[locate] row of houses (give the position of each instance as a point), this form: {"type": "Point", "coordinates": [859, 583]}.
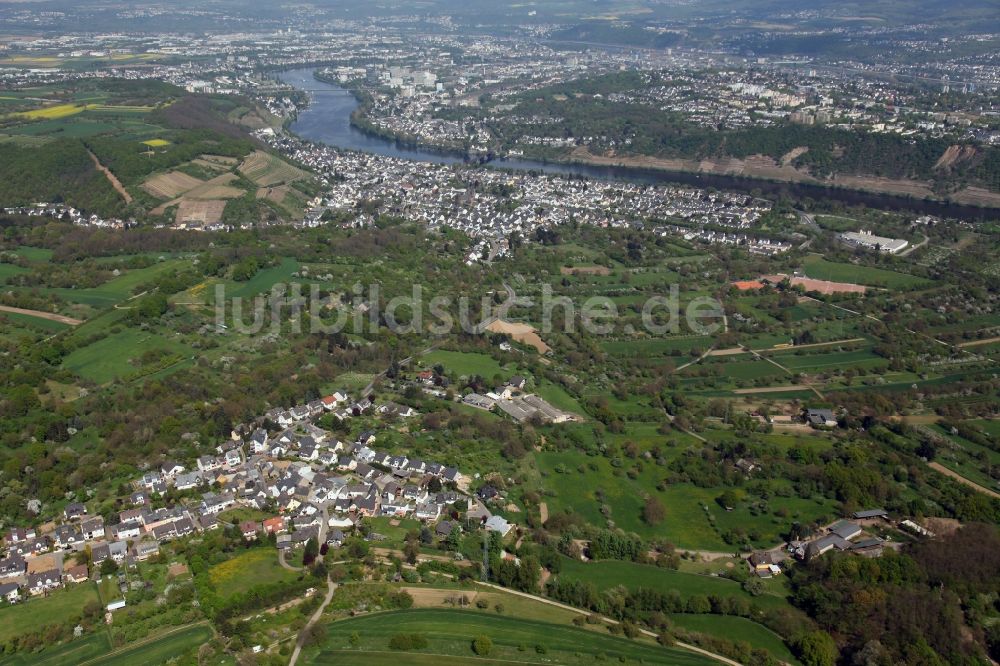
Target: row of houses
{"type": "Point", "coordinates": [309, 478]}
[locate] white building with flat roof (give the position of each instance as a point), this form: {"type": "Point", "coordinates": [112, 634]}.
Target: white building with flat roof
{"type": "Point", "coordinates": [870, 241]}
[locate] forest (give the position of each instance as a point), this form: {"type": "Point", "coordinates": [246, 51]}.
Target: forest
{"type": "Point", "coordinates": [639, 130]}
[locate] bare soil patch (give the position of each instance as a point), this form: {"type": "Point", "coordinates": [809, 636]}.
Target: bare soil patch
{"type": "Point", "coordinates": [115, 183]}
{"type": "Point", "coordinates": [194, 213]}
{"type": "Point", "coordinates": [793, 155]}
{"type": "Point", "coordinates": [822, 286]}
{"type": "Point", "coordinates": [585, 270]}
{"type": "Point", "coordinates": [976, 343]}
{"type": "Point", "coordinates": [275, 194]}
{"type": "Point", "coordinates": [954, 155]}
{"type": "Point", "coordinates": [523, 333]}
{"type": "Point", "coordinates": [51, 316]}
{"type": "Point", "coordinates": [177, 569]}
{"type": "Point", "coordinates": [170, 185]}
{"type": "Point", "coordinates": [977, 196]}
{"type": "Point", "coordinates": [424, 597]}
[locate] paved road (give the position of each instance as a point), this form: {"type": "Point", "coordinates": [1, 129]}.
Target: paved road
{"type": "Point", "coordinates": [281, 560]}
{"type": "Point", "coordinates": [915, 247]}
{"type": "Point", "coordinates": [501, 310]}
{"type": "Point", "coordinates": [331, 587]}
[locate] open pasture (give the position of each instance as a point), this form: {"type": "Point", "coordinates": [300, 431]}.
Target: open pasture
{"type": "Point", "coordinates": [59, 607]}
{"type": "Point", "coordinates": [819, 268]}
{"type": "Point", "coordinates": [257, 566]}
{"type": "Point", "coordinates": [450, 633]}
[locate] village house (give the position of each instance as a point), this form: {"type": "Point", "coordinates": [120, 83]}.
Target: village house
{"type": "Point", "coordinates": [249, 530]}
{"type": "Point", "coordinates": [209, 463]}
{"type": "Point", "coordinates": [821, 418]}
{"type": "Point", "coordinates": [765, 563]}
{"type": "Point", "coordinates": [74, 511]}
{"type": "Point", "coordinates": [127, 530]}
{"type": "Point", "coordinates": [12, 566]}
{"type": "Point", "coordinates": [145, 550]}
{"type": "Point", "coordinates": [188, 481]}
{"type": "Point", "coordinates": [10, 592]}
{"type": "Point", "coordinates": [43, 581]}
{"type": "Point", "coordinates": [171, 469]}
{"type": "Point", "coordinates": [498, 524]}
{"type": "Point", "coordinates": [67, 536]}
{"type": "Point", "coordinates": [20, 535]}
{"type": "Point", "coordinates": [92, 528]}
{"type": "Point", "coordinates": [275, 525]}
{"type": "Point", "coordinates": [77, 574]}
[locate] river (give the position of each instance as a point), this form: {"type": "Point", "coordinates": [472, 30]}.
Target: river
{"type": "Point", "coordinates": [327, 119]}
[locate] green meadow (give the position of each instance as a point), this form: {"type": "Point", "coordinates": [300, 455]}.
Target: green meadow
{"type": "Point", "coordinates": [117, 356]}
{"type": "Point", "coordinates": [450, 633]}
{"type": "Point", "coordinates": [738, 629]}
{"type": "Point", "coordinates": [583, 484]}
{"type": "Point", "coordinates": [60, 607]}
{"type": "Point", "coordinates": [819, 268]}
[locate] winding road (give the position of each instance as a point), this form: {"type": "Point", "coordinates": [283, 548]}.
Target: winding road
{"type": "Point", "coordinates": [331, 587]}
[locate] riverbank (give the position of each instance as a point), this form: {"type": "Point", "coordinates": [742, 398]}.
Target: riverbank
{"type": "Point", "coordinates": [328, 119]}
{"type": "Point", "coordinates": [765, 168]}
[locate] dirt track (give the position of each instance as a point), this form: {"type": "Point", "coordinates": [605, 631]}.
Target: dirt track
{"type": "Point", "coordinates": [115, 183]}
{"type": "Point", "coordinates": [51, 316]}
{"type": "Point", "coordinates": [773, 389]}
{"type": "Point", "coordinates": [938, 467]}
{"type": "Point", "coordinates": [976, 343]}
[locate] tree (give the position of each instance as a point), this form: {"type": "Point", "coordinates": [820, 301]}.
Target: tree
{"type": "Point", "coordinates": [754, 585]}
{"type": "Point", "coordinates": [729, 499]}
{"type": "Point", "coordinates": [816, 648]}
{"type": "Point", "coordinates": [310, 553]}
{"type": "Point", "coordinates": [482, 645]}
{"type": "Point", "coordinates": [653, 511]}
{"type": "Point", "coordinates": [108, 567]}
{"type": "Point", "coordinates": [411, 549]}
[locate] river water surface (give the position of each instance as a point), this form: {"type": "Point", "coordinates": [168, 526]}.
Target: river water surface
{"type": "Point", "coordinates": [327, 119]}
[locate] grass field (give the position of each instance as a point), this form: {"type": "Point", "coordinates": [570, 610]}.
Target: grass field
{"type": "Point", "coordinates": [450, 632]}
{"type": "Point", "coordinates": [68, 654]}
{"type": "Point", "coordinates": [257, 566]}
{"type": "Point", "coordinates": [576, 480]}
{"type": "Point", "coordinates": [736, 629]}
{"type": "Point", "coordinates": [819, 268]}
{"type": "Point", "coordinates": [263, 280]}
{"type": "Point", "coordinates": [465, 363]}
{"type": "Point", "coordinates": [35, 254]}
{"type": "Point", "coordinates": [59, 607]}
{"type": "Point", "coordinates": [157, 651]}
{"type": "Point", "coordinates": [120, 288]}
{"type": "Point", "coordinates": [34, 322]}
{"type": "Point", "coordinates": [156, 143]}
{"type": "Point", "coordinates": [606, 574]}
{"type": "Point", "coordinates": [109, 358]}
{"type": "Point", "coordinates": [9, 271]}
{"type": "Point", "coordinates": [656, 346]}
